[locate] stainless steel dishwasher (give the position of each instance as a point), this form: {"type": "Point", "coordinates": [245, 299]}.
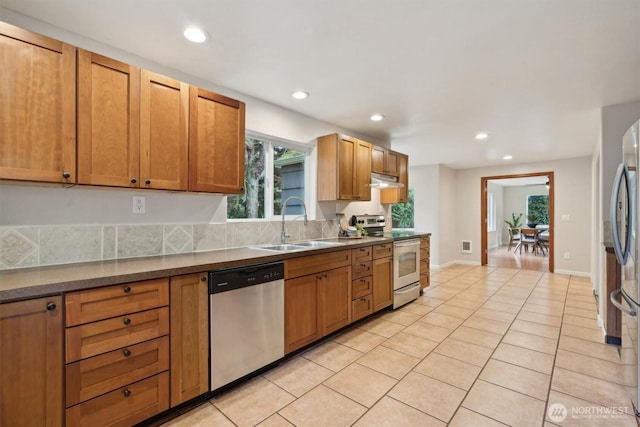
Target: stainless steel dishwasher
{"type": "Point", "coordinates": [247, 320]}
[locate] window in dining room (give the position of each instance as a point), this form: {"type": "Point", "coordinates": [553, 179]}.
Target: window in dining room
{"type": "Point", "coordinates": [491, 212]}
{"type": "Point", "coordinates": [538, 209]}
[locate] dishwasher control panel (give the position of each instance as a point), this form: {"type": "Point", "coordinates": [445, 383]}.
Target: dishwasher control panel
{"type": "Point", "coordinates": [240, 277]}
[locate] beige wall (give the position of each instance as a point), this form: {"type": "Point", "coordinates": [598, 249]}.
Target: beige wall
{"type": "Point", "coordinates": [456, 215]}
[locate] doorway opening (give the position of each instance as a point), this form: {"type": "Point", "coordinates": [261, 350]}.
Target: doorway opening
{"type": "Point", "coordinates": [529, 197]}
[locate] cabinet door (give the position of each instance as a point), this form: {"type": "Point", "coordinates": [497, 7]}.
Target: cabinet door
{"type": "Point", "coordinates": [346, 173]}
{"type": "Point", "coordinates": [164, 132]}
{"type": "Point", "coordinates": [189, 337]}
{"type": "Point", "coordinates": [335, 291]}
{"type": "Point", "coordinates": [391, 163]}
{"type": "Point", "coordinates": [301, 315]}
{"type": "Point", "coordinates": [403, 173]}
{"type": "Point", "coordinates": [382, 283]}
{"type": "Point", "coordinates": [108, 121]}
{"type": "Point", "coordinates": [377, 159]}
{"type": "Point", "coordinates": [31, 362]}
{"type": "Point", "coordinates": [38, 107]}
{"type": "Point", "coordinates": [216, 143]}
{"type": "Point", "coordinates": [362, 171]}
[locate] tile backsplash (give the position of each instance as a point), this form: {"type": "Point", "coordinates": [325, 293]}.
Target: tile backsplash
{"type": "Point", "coordinates": [32, 246]}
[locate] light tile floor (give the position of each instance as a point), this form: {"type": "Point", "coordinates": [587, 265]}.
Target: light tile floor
{"type": "Point", "coordinates": [484, 346]}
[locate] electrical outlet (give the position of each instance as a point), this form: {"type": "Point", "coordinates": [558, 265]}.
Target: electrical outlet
{"type": "Point", "coordinates": [565, 217]}
{"type": "Point", "coordinates": [567, 255]}
{"type": "Point", "coordinates": [138, 204]}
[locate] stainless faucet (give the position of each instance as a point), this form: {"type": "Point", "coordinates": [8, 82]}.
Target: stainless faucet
{"type": "Point", "coordinates": [283, 234]}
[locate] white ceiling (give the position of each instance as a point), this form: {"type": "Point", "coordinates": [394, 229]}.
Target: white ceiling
{"type": "Point", "coordinates": [531, 73]}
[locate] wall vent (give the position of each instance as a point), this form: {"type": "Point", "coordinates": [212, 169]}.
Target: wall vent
{"type": "Point", "coordinates": [466, 246]}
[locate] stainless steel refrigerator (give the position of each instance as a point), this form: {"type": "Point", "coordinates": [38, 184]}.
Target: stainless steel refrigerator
{"type": "Point", "coordinates": [624, 224]}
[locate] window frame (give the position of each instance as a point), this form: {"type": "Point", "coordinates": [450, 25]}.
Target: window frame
{"type": "Point", "coordinates": [309, 181]}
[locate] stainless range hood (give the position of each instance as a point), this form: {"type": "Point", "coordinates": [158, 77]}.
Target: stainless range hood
{"type": "Point", "coordinates": [381, 181]}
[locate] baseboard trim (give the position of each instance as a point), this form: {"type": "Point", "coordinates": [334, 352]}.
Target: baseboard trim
{"type": "Point", "coordinates": [573, 273]}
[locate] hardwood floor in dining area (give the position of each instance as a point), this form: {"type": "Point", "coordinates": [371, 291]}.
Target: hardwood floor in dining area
{"type": "Point", "coordinates": [504, 258]}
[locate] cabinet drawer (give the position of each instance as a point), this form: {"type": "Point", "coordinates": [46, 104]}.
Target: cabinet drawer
{"type": "Point", "coordinates": [103, 303]}
{"type": "Point", "coordinates": [92, 377]}
{"type": "Point", "coordinates": [312, 264]}
{"type": "Point", "coordinates": [125, 406]}
{"type": "Point", "coordinates": [361, 307]}
{"type": "Point", "coordinates": [382, 250]}
{"type": "Point", "coordinates": [361, 287]}
{"type": "Point", "coordinates": [361, 254]}
{"type": "Point", "coordinates": [107, 335]}
{"type": "Point", "coordinates": [361, 269]}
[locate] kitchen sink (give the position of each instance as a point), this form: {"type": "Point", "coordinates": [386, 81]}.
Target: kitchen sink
{"type": "Point", "coordinates": [281, 247]}
{"type": "Point", "coordinates": [318, 243]}
{"type": "Point", "coordinates": [298, 246]}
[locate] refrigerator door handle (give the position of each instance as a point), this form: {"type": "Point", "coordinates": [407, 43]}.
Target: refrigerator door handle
{"type": "Point", "coordinates": [631, 310]}
{"type": "Point", "coordinates": [621, 255]}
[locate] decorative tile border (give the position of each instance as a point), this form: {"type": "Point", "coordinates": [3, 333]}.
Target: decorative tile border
{"type": "Point", "coordinates": [22, 247]}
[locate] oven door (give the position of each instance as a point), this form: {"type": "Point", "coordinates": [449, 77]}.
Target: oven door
{"type": "Point", "coordinates": [406, 263]}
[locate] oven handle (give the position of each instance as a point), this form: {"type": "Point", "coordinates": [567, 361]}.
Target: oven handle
{"type": "Point", "coordinates": [630, 311]}
{"type": "Point", "coordinates": [406, 243]}
{"type": "Point", "coordinates": [409, 288]}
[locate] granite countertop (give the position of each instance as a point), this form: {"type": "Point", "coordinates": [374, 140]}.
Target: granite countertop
{"type": "Point", "coordinates": [43, 281]}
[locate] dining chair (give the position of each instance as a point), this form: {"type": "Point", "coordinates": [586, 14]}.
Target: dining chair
{"type": "Point", "coordinates": [529, 236]}
{"type": "Point", "coordinates": [514, 237]}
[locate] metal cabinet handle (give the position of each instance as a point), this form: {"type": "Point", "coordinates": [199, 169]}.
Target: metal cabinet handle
{"type": "Point", "coordinates": [148, 182]}
{"type": "Point", "coordinates": [133, 180]}
{"type": "Point", "coordinates": [127, 353]}
{"type": "Point", "coordinates": [127, 393]}
{"type": "Point", "coordinates": [612, 297]}
{"type": "Point", "coordinates": [127, 289]}
{"type": "Point", "coordinates": [51, 306]}
{"type": "Point", "coordinates": [126, 321]}
{"type": "Point", "coordinates": [66, 175]}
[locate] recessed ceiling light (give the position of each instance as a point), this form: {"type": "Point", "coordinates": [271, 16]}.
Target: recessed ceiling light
{"type": "Point", "coordinates": [195, 34]}
{"type": "Point", "coordinates": [299, 94]}
{"type": "Point", "coordinates": [507, 157]}
{"type": "Point", "coordinates": [377, 117]}
{"type": "Point", "coordinates": [482, 135]}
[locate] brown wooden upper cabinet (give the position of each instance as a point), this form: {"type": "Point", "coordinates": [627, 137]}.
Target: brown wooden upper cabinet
{"type": "Point", "coordinates": [132, 126]}
{"type": "Point", "coordinates": [398, 195]}
{"type": "Point", "coordinates": [164, 132]}
{"type": "Point", "coordinates": [216, 143]}
{"type": "Point", "coordinates": [344, 168]}
{"type": "Point", "coordinates": [108, 121]}
{"type": "Point", "coordinates": [38, 107]}
{"type": "Point", "coordinates": [384, 161]}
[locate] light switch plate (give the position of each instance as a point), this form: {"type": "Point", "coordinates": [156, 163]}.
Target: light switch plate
{"type": "Point", "coordinates": [565, 217]}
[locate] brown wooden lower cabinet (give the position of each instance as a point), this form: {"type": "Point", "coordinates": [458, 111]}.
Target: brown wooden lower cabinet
{"type": "Point", "coordinates": [124, 406]}
{"type": "Point", "coordinates": [301, 313]}
{"type": "Point", "coordinates": [89, 378]}
{"type": "Point", "coordinates": [189, 337]}
{"type": "Point", "coordinates": [335, 300]}
{"type": "Point", "coordinates": [382, 283]}
{"type": "Point", "coordinates": [361, 307]}
{"type": "Point", "coordinates": [32, 362]}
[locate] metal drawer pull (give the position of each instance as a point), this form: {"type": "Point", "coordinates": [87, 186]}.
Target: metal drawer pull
{"type": "Point", "coordinates": [127, 393]}
{"type": "Point", "coordinates": [126, 321]}
{"type": "Point", "coordinates": [127, 353]}
{"type": "Point", "coordinates": [127, 289]}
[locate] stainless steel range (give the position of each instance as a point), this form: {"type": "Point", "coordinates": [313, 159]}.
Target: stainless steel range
{"type": "Point", "coordinates": [374, 224]}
